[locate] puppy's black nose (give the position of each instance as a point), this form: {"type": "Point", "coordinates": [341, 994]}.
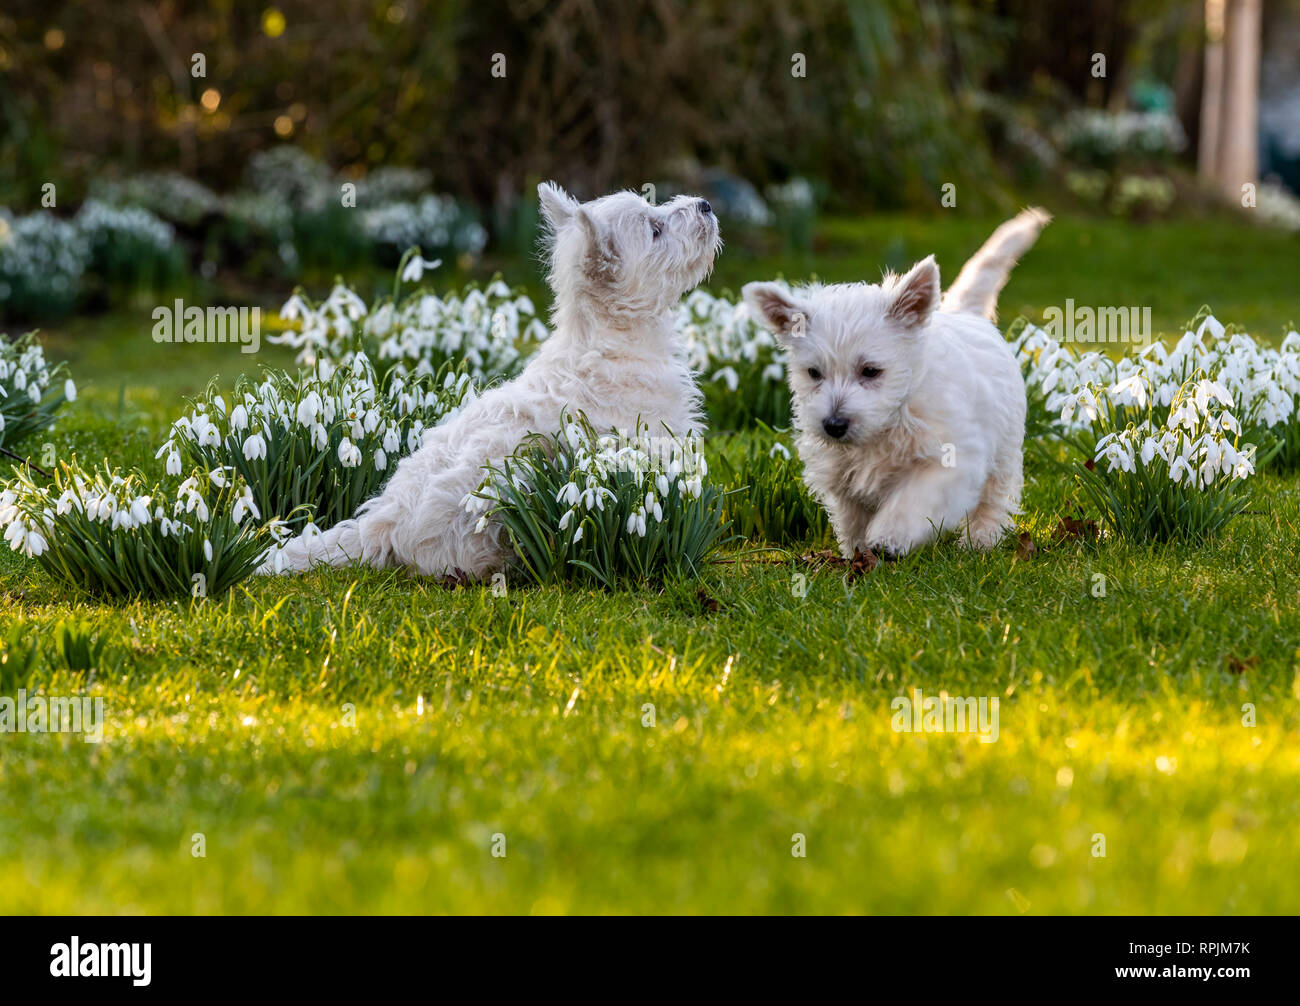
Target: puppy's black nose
{"type": "Point", "coordinates": [835, 427]}
{"type": "Point", "coordinates": [705, 208]}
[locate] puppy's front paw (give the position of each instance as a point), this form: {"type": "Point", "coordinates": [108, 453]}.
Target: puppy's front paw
{"type": "Point", "coordinates": [985, 533]}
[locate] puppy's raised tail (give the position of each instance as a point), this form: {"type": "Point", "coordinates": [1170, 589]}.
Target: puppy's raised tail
{"type": "Point", "coordinates": [337, 546]}
{"type": "Point", "coordinates": [976, 288]}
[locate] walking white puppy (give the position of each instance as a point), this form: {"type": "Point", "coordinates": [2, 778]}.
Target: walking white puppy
{"type": "Point", "coordinates": [909, 415]}
{"type": "Point", "coordinates": [619, 266]}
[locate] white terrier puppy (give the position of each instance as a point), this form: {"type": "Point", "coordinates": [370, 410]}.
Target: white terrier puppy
{"type": "Point", "coordinates": [619, 266]}
{"type": "Point", "coordinates": [909, 415]}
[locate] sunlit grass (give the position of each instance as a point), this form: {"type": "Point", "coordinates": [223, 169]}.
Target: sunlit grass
{"type": "Point", "coordinates": [355, 741]}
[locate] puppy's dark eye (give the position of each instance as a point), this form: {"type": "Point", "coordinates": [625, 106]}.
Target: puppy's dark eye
{"type": "Point", "coordinates": [870, 373]}
{"type": "Point", "coordinates": [656, 228]}
{"type": "Point", "coordinates": [814, 373]}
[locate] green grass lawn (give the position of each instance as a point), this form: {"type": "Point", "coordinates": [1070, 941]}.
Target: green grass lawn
{"type": "Point", "coordinates": [361, 741]}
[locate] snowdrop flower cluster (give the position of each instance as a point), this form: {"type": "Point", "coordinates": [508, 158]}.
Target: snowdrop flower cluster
{"type": "Point", "coordinates": [433, 222]}
{"type": "Point", "coordinates": [329, 438]}
{"type": "Point", "coordinates": [42, 259]}
{"type": "Point", "coordinates": [658, 467]}
{"type": "Point", "coordinates": [1278, 206]}
{"type": "Point", "coordinates": [167, 194]}
{"type": "Point", "coordinates": [742, 369]}
{"type": "Point", "coordinates": [1067, 391]}
{"type": "Point", "coordinates": [1161, 429]}
{"type": "Point", "coordinates": [722, 341]}
{"type": "Point", "coordinates": [265, 215]}
{"type": "Point", "coordinates": [1197, 445]}
{"type": "Point", "coordinates": [25, 379]}
{"type": "Point", "coordinates": [490, 331]}
{"type": "Point", "coordinates": [1099, 136]}
{"type": "Point", "coordinates": [631, 503]}
{"type": "Point", "coordinates": [291, 176]}
{"type": "Point", "coordinates": [115, 534]}
{"type": "Point", "coordinates": [1177, 472]}
{"type": "Point", "coordinates": [386, 185]}
{"type": "Point", "coordinates": [102, 223]}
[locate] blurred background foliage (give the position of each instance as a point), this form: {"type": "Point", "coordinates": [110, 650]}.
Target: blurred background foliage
{"type": "Point", "coordinates": [876, 102]}
{"type": "Point", "coordinates": [234, 147]}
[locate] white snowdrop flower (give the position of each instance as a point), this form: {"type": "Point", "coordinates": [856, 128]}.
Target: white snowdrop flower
{"type": "Point", "coordinates": [779, 448]}
{"type": "Point", "coordinates": [16, 535]}
{"type": "Point", "coordinates": [69, 390]}
{"type": "Point", "coordinates": [293, 308]}
{"type": "Point", "coordinates": [381, 460]}
{"type": "Point", "coordinates": [310, 531]}
{"type": "Point", "coordinates": [481, 525]}
{"type": "Point", "coordinates": [658, 512]}
{"type": "Point", "coordinates": [349, 454]}
{"type": "Point", "coordinates": [631, 524]}
{"type": "Point", "coordinates": [244, 506]}
{"type": "Point", "coordinates": [661, 483]}
{"type": "Point", "coordinates": [34, 544]}
{"type": "Point", "coordinates": [140, 509]}
{"type": "Point", "coordinates": [308, 409]}
{"type": "Point", "coordinates": [319, 437]}
{"type": "Point", "coordinates": [255, 447]}
{"type": "Point", "coordinates": [415, 268]}
{"type": "Point", "coordinates": [218, 478]}
{"type": "Point", "coordinates": [577, 535]}
{"type": "Point", "coordinates": [239, 418]}
{"type": "Point", "coordinates": [568, 494]}
{"type": "Point", "coordinates": [392, 440]}
{"type": "Point", "coordinates": [729, 376]}
{"type": "Point", "coordinates": [565, 518]}
{"type": "Point", "coordinates": [1132, 389]}
{"type": "Point", "coordinates": [207, 549]}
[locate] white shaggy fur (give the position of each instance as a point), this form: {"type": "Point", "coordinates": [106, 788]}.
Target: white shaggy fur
{"type": "Point", "coordinates": [619, 266]}
{"type": "Point", "coordinates": [909, 419]}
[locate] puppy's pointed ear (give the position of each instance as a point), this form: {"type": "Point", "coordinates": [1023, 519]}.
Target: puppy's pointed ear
{"type": "Point", "coordinates": [601, 259]}
{"type": "Point", "coordinates": [916, 295]}
{"type": "Point", "coordinates": [772, 306]}
{"type": "Point", "coordinates": [557, 206]}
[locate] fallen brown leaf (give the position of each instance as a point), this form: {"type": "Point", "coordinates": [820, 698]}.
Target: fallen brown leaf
{"type": "Point", "coordinates": [862, 563]}
{"type": "Point", "coordinates": [1070, 528]}
{"type": "Point", "coordinates": [1238, 665]}
{"type": "Point", "coordinates": [1025, 547]}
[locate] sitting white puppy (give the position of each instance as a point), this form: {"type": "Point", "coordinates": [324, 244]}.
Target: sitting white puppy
{"type": "Point", "coordinates": [909, 416]}
{"type": "Point", "coordinates": [619, 266]}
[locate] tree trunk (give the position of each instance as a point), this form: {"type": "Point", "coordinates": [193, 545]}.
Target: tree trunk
{"type": "Point", "coordinates": [1228, 157]}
